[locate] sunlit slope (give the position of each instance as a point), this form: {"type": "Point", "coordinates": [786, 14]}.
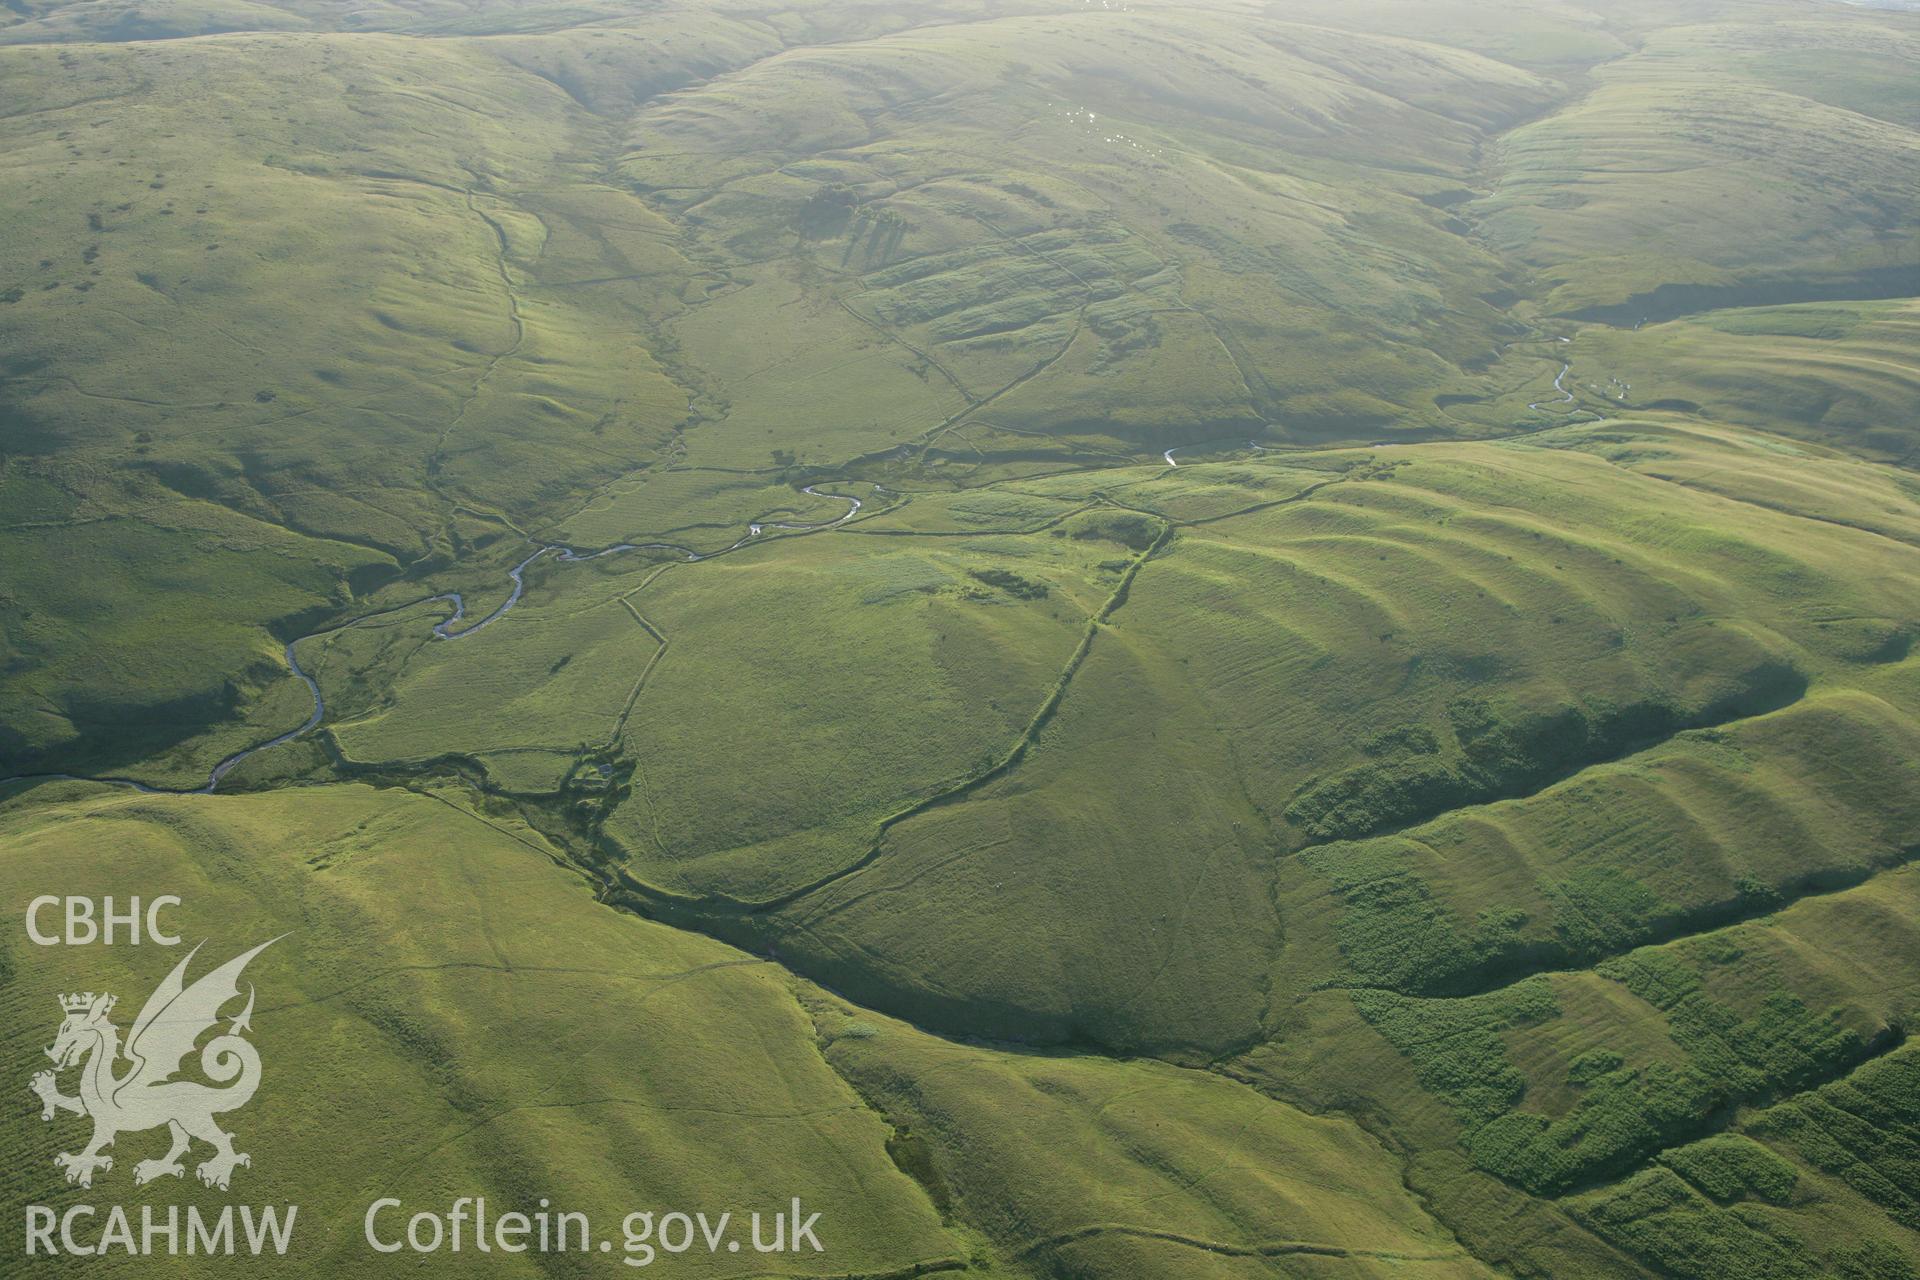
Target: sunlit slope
{"type": "Point", "coordinates": [1845, 374]}
{"type": "Point", "coordinates": [848, 681]}
{"type": "Point", "coordinates": [1167, 225]}
{"type": "Point", "coordinates": [660, 44]}
{"type": "Point", "coordinates": [1604, 1012]}
{"type": "Point", "coordinates": [1726, 163]}
{"type": "Point", "coordinates": [849, 676]}
{"type": "Point", "coordinates": [452, 1014]}
{"type": "Point", "coordinates": [1711, 826]}
{"type": "Point", "coordinates": [1174, 1173]}
{"type": "Point", "coordinates": [389, 284]}
{"type": "Point", "coordinates": [1247, 650]}
{"type": "Point", "coordinates": [1782, 475]}
{"type": "Point", "coordinates": [259, 341]}
{"type": "Point", "coordinates": [282, 295]}
{"type": "Point", "coordinates": [1301, 656]}
{"type": "Point", "coordinates": [1552, 1114]}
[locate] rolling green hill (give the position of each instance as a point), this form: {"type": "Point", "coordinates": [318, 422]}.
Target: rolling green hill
{"type": "Point", "coordinates": [1824, 372]}
{"type": "Point", "coordinates": [1194, 639]}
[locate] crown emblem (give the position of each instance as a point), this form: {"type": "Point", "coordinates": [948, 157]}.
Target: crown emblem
{"type": "Point", "coordinates": [80, 1003]}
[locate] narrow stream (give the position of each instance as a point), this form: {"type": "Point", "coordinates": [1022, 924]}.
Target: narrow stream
{"type": "Point", "coordinates": [449, 628]}
{"type": "Point", "coordinates": [1565, 397]}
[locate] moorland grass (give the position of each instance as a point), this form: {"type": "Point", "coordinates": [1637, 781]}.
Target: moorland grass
{"type": "Point", "coordinates": [452, 1013]}
{"type": "Point", "coordinates": [1541, 808]}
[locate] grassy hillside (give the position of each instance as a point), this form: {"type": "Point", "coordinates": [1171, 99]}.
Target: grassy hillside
{"type": "Point", "coordinates": [1841, 373]}
{"type": "Point", "coordinates": [1202, 639]}
{"type": "Point", "coordinates": [259, 263]}
{"type": "Point", "coordinates": [1716, 166]}
{"type": "Point", "coordinates": [451, 1013]}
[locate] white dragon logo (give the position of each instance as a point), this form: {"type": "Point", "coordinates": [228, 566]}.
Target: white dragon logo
{"type": "Point", "coordinates": [147, 1095]}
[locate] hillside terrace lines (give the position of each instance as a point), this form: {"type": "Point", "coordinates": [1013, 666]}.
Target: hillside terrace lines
{"type": "Point", "coordinates": [1785, 688]}
{"type": "Point", "coordinates": [1089, 293]}
{"type": "Point", "coordinates": [655, 659]}
{"type": "Point", "coordinates": [446, 629]}
{"type": "Point", "coordinates": [1680, 926]}
{"type": "Point", "coordinates": [1731, 1056]}
{"type": "Point", "coordinates": [1360, 471]}
{"type": "Point", "coordinates": [1217, 328]}
{"type": "Point", "coordinates": [1020, 242]}
{"type": "Point", "coordinates": [1725, 1118]}
{"type": "Point", "coordinates": [1786, 511]}
{"type": "Point", "coordinates": [1728, 1118]}
{"type": "Point", "coordinates": [1778, 508]}
{"type": "Point", "coordinates": [1418, 516]}
{"type": "Point", "coordinates": [1517, 823]}
{"type": "Point", "coordinates": [1320, 558]}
